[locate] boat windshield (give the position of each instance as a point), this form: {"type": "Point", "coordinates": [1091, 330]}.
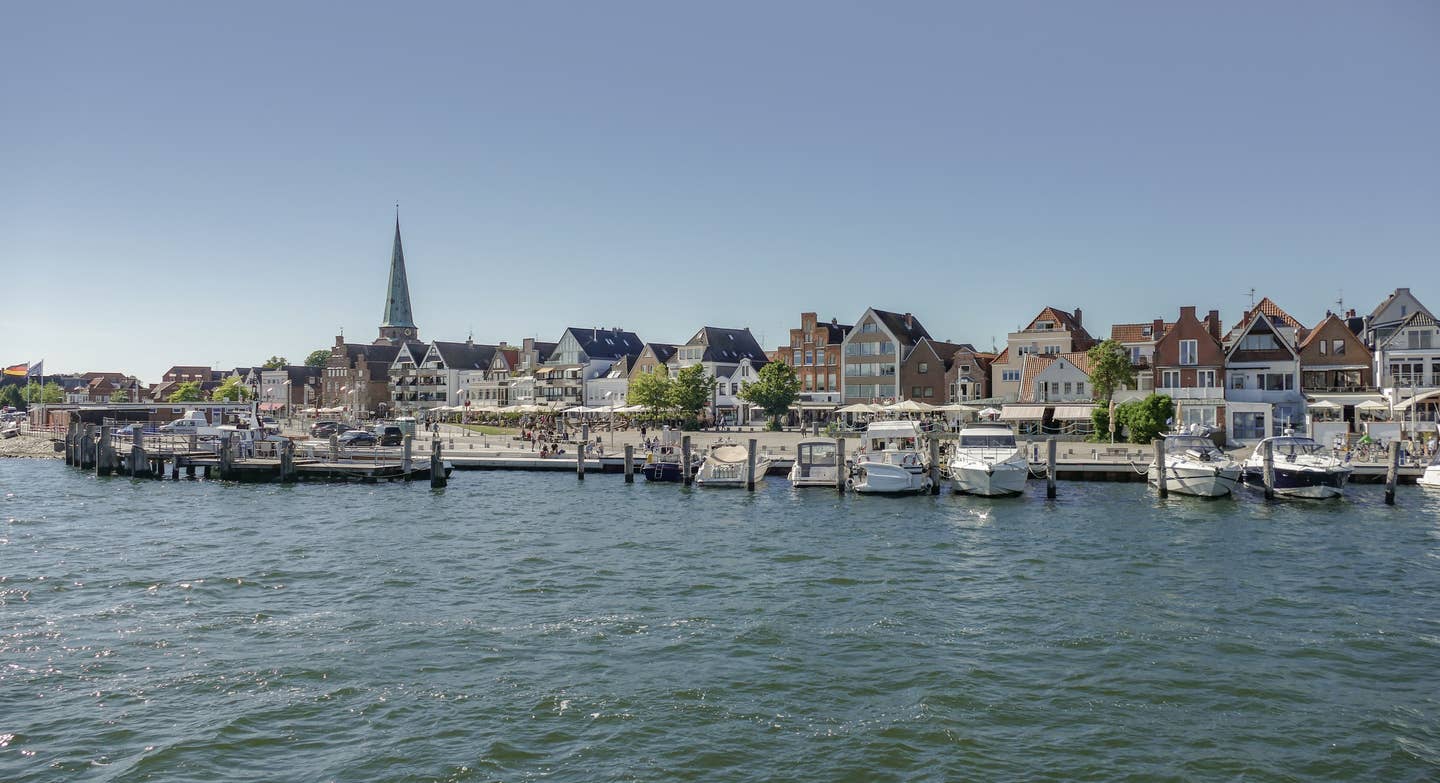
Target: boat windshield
{"type": "Point", "coordinates": [902, 444]}
{"type": "Point", "coordinates": [1001, 441]}
{"type": "Point", "coordinates": [1290, 447]}
{"type": "Point", "coordinates": [817, 453]}
{"type": "Point", "coordinates": [1179, 443]}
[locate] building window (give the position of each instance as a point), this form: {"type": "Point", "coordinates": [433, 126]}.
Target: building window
{"type": "Point", "coordinates": [1205, 379]}
{"type": "Point", "coordinates": [1054, 387]}
{"type": "Point", "coordinates": [1337, 347]}
{"type": "Point", "coordinates": [797, 362]}
{"type": "Point", "coordinates": [924, 367]}
{"type": "Point", "coordinates": [1068, 388]}
{"type": "Point", "coordinates": [1009, 375]}
{"type": "Point", "coordinates": [1259, 342]}
{"type": "Point", "coordinates": [1134, 354]}
{"type": "Point", "coordinates": [1189, 350]}
{"type": "Point", "coordinates": [1169, 379]}
{"type": "Point", "coordinates": [869, 327]}
{"type": "Point", "coordinates": [929, 391]}
{"type": "Point", "coordinates": [1052, 349]}
{"type": "Point", "coordinates": [809, 358]}
{"type": "Point", "coordinates": [1324, 347]}
{"type": "Point", "coordinates": [1080, 387]}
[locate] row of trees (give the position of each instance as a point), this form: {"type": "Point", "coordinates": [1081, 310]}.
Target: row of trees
{"type": "Point", "coordinates": [1143, 420]}
{"type": "Point", "coordinates": [685, 395]}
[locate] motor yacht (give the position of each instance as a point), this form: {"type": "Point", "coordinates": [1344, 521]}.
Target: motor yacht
{"type": "Point", "coordinates": [987, 462]}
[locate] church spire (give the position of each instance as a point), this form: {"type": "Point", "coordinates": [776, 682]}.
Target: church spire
{"type": "Point", "coordinates": [398, 324]}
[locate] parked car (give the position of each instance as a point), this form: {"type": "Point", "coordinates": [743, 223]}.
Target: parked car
{"type": "Point", "coordinates": [269, 423]}
{"type": "Point", "coordinates": [324, 429]}
{"type": "Point", "coordinates": [356, 438]}
{"type": "Point", "coordinates": [390, 434]}
{"type": "Point", "coordinates": [130, 429]}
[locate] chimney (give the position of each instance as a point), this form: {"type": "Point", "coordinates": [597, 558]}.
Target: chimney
{"type": "Point", "coordinates": [909, 321]}
{"type": "Point", "coordinates": [834, 321]}
{"type": "Point", "coordinates": [1078, 314]}
{"type": "Point", "coordinates": [1187, 311]}
{"type": "Point", "coordinates": [1213, 320]}
{"type": "Point", "coordinates": [1157, 327]}
{"type": "Point", "coordinates": [527, 344]}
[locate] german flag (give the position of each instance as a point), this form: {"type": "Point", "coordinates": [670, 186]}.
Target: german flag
{"type": "Point", "coordinates": [21, 370]}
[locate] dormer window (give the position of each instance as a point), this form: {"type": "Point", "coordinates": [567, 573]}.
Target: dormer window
{"type": "Point", "coordinates": [1147, 331]}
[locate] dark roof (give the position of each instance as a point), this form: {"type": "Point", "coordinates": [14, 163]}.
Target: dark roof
{"type": "Point", "coordinates": [299, 373]}
{"type": "Point", "coordinates": [729, 346]}
{"type": "Point", "coordinates": [606, 343]}
{"type": "Point", "coordinates": [543, 351]}
{"type": "Point", "coordinates": [662, 351]}
{"type": "Point", "coordinates": [835, 333]}
{"type": "Point", "coordinates": [907, 333]}
{"type": "Point", "coordinates": [465, 356]}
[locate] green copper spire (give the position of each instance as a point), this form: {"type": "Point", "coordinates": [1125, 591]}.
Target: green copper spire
{"type": "Point", "coordinates": [397, 296]}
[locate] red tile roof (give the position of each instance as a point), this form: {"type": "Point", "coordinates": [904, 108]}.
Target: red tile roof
{"type": "Point", "coordinates": [1135, 333]}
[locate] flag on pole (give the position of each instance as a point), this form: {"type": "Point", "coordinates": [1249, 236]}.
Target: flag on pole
{"type": "Point", "coordinates": [18, 370]}
{"type": "Point", "coordinates": [38, 369]}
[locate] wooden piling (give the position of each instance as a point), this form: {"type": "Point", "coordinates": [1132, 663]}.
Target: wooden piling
{"type": "Point", "coordinates": [437, 466]}
{"type": "Point", "coordinates": [1160, 468]}
{"type": "Point", "coordinates": [1269, 475]}
{"type": "Point", "coordinates": [686, 478]}
{"type": "Point", "coordinates": [287, 461]}
{"type": "Point", "coordinates": [934, 465]}
{"type": "Point", "coordinates": [750, 466]}
{"type": "Point", "coordinates": [193, 442]}
{"type": "Point", "coordinates": [139, 463]}
{"type": "Point", "coordinates": [225, 457]}
{"type": "Point", "coordinates": [1392, 473]}
{"type": "Point", "coordinates": [580, 461]}
{"type": "Point", "coordinates": [629, 464]}
{"type": "Point", "coordinates": [1050, 468]}
{"type": "Point", "coordinates": [840, 472]}
{"type": "Point", "coordinates": [334, 447]}
{"type": "Point", "coordinates": [102, 453]}
{"type": "Point", "coordinates": [406, 447]}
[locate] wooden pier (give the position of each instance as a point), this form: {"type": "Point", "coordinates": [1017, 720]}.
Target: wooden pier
{"type": "Point", "coordinates": [97, 448]}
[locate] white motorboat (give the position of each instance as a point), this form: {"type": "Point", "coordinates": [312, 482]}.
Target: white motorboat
{"type": "Point", "coordinates": [1431, 477]}
{"type": "Point", "coordinates": [987, 462]}
{"type": "Point", "coordinates": [817, 464]}
{"type": "Point", "coordinates": [1194, 465]}
{"type": "Point", "coordinates": [890, 462]}
{"type": "Point", "coordinates": [1303, 469]}
{"type": "Point", "coordinates": [727, 465]}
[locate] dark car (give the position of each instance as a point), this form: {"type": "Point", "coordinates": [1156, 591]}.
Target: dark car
{"type": "Point", "coordinates": [355, 438]}
{"type": "Point", "coordinates": [324, 429]}
{"type": "Point", "coordinates": [390, 435]}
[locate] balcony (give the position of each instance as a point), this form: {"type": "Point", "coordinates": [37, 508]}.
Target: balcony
{"type": "Point", "coordinates": [1263, 395]}
{"type": "Point", "coordinates": [1215, 393]}
{"type": "Point", "coordinates": [1409, 381]}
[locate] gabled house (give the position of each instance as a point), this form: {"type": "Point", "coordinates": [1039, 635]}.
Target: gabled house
{"type": "Point", "coordinates": [289, 388]}
{"type": "Point", "coordinates": [583, 355]}
{"type": "Point", "coordinates": [491, 387]}
{"type": "Point", "coordinates": [1139, 342]}
{"type": "Point", "coordinates": [815, 352]}
{"type": "Point", "coordinates": [533, 355]}
{"type": "Point", "coordinates": [435, 378]}
{"type": "Point", "coordinates": [357, 376]}
{"type": "Point", "coordinates": [1388, 315]}
{"type": "Point", "coordinates": [1188, 365]}
{"type": "Point", "coordinates": [967, 375]}
{"type": "Point", "coordinates": [1052, 332]}
{"type": "Point", "coordinates": [1408, 359]}
{"type": "Point", "coordinates": [1262, 374]}
{"type": "Point", "coordinates": [922, 373]}
{"type": "Point", "coordinates": [652, 356]}
{"type": "Point", "coordinates": [733, 358]}
{"type": "Point", "coordinates": [873, 352]}
{"type": "Point", "coordinates": [1333, 359]}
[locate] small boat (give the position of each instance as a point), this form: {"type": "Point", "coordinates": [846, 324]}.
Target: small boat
{"type": "Point", "coordinates": [889, 461]}
{"type": "Point", "coordinates": [816, 464]}
{"type": "Point", "coordinates": [1194, 465]}
{"type": "Point", "coordinates": [727, 465]}
{"type": "Point", "coordinates": [987, 462]}
{"type": "Point", "coordinates": [666, 466]}
{"type": "Point", "coordinates": [1431, 477]}
{"type": "Point", "coordinates": [1303, 469]}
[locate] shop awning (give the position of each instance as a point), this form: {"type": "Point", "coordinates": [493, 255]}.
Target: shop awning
{"type": "Point", "coordinates": [1073, 412]}
{"type": "Point", "coordinates": [1022, 413]}
{"type": "Point", "coordinates": [271, 406]}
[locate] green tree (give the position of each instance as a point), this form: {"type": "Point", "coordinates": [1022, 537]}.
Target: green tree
{"type": "Point", "coordinates": [188, 391]}
{"type": "Point", "coordinates": [651, 389]}
{"type": "Point", "coordinates": [50, 394]}
{"type": "Point", "coordinates": [318, 358]}
{"type": "Point", "coordinates": [232, 390]}
{"type": "Point", "coordinates": [10, 396]}
{"type": "Point", "coordinates": [1110, 370]}
{"type": "Point", "coordinates": [1145, 419]}
{"type": "Point", "coordinates": [120, 395]}
{"type": "Point", "coordinates": [277, 363]}
{"type": "Point", "coordinates": [775, 391]}
{"type": "Point", "coordinates": [689, 392]}
{"type": "Point", "coordinates": [1100, 418]}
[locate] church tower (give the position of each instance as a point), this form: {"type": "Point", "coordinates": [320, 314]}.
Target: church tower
{"type": "Point", "coordinates": [399, 324]}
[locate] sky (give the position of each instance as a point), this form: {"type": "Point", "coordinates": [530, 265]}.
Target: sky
{"type": "Point", "coordinates": [200, 183]}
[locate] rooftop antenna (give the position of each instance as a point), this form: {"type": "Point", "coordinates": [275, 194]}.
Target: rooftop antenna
{"type": "Point", "coordinates": [1340, 302]}
{"type": "Point", "coordinates": [1252, 299]}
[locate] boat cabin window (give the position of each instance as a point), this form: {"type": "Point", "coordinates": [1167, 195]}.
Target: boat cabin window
{"type": "Point", "coordinates": [882, 444]}
{"type": "Point", "coordinates": [817, 453]}
{"type": "Point", "coordinates": [1176, 445]}
{"type": "Point", "coordinates": [1000, 441]}
{"type": "Point", "coordinates": [1290, 447]}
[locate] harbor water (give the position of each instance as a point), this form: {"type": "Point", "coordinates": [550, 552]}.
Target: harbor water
{"type": "Point", "coordinates": [519, 626]}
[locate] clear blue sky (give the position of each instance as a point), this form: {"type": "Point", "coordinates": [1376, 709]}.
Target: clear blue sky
{"type": "Point", "coordinates": [231, 170]}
